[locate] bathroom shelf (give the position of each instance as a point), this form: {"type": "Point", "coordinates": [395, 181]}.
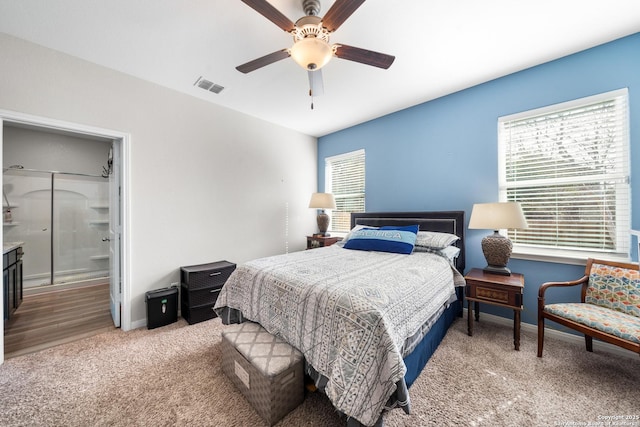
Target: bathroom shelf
{"type": "Point", "coordinates": [98, 257]}
{"type": "Point", "coordinates": [99, 222]}
{"type": "Point", "coordinates": [8, 224]}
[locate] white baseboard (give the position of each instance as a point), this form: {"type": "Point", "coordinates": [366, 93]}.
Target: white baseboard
{"type": "Point", "coordinates": [563, 336]}
{"type": "Point", "coordinates": [142, 323]}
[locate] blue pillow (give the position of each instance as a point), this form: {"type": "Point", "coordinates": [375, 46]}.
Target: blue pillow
{"type": "Point", "coordinates": [399, 240]}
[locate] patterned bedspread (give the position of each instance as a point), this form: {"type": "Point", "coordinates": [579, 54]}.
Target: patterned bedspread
{"type": "Point", "coordinates": [349, 312]}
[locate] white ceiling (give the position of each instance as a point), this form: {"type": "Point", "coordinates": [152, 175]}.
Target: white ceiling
{"type": "Point", "coordinates": [441, 46]}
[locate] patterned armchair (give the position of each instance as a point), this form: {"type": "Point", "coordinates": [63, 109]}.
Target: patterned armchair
{"type": "Point", "coordinates": [609, 309]}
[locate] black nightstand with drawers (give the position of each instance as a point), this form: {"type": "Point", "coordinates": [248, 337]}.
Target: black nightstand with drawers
{"type": "Point", "coordinates": [200, 288]}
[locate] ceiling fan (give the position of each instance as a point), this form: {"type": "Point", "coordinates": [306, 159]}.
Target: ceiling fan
{"type": "Point", "coordinates": [311, 48]}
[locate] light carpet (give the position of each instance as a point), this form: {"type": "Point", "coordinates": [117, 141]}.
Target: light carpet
{"type": "Point", "coordinates": [171, 376]}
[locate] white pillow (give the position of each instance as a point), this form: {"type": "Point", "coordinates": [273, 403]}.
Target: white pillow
{"type": "Point", "coordinates": [435, 240]}
{"type": "Point", "coordinates": [450, 252]}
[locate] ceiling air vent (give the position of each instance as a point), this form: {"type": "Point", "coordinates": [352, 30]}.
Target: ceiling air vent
{"type": "Point", "coordinates": [207, 85]}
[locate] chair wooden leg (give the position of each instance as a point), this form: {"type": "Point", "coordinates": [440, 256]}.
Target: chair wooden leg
{"type": "Point", "coordinates": [589, 342]}
{"type": "Point", "coordinates": [540, 335]}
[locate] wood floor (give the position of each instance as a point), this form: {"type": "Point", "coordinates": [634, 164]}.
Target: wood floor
{"type": "Point", "coordinates": [52, 318]}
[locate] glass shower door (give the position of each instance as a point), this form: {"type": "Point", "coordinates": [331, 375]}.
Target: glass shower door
{"type": "Point", "coordinates": [80, 226]}
{"type": "Point", "coordinates": [28, 194]}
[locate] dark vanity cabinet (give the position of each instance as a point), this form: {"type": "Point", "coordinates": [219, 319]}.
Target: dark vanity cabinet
{"type": "Point", "coordinates": [12, 284]}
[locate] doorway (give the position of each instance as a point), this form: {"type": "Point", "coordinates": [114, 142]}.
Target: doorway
{"type": "Point", "coordinates": [104, 197]}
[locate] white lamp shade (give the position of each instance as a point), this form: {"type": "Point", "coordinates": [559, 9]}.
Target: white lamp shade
{"type": "Point", "coordinates": [311, 53]}
{"type": "Point", "coordinates": [497, 216]}
{"type": "Point", "coordinates": [322, 201]}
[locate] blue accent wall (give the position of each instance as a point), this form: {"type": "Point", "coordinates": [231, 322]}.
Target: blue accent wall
{"type": "Point", "coordinates": [442, 155]}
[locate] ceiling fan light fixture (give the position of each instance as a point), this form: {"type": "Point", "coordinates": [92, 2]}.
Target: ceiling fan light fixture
{"type": "Point", "coordinates": [311, 53]}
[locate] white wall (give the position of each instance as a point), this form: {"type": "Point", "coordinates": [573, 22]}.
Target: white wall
{"type": "Point", "coordinates": [207, 183]}
{"type": "Point", "coordinates": [35, 149]}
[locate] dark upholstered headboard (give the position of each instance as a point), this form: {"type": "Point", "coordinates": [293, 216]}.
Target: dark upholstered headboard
{"type": "Point", "coordinates": [444, 222]}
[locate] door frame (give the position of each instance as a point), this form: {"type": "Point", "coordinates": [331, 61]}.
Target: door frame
{"type": "Point", "coordinates": [115, 227]}
{"type": "Point", "coordinates": [121, 140]}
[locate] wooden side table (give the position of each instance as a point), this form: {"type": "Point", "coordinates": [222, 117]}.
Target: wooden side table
{"type": "Point", "coordinates": [321, 241]}
{"type": "Point", "coordinates": [504, 291]}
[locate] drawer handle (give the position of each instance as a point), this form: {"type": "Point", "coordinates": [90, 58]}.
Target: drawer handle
{"type": "Point", "coordinates": [217, 273]}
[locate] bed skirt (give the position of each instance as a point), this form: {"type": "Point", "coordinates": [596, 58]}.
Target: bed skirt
{"type": "Point", "coordinates": [418, 359]}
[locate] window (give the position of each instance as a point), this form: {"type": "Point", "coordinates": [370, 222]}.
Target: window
{"type": "Point", "coordinates": [344, 177]}
{"type": "Point", "coordinates": [568, 166]}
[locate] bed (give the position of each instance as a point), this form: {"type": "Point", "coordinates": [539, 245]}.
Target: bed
{"type": "Point", "coordinates": [367, 321]}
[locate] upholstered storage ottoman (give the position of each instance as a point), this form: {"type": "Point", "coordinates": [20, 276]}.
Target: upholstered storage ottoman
{"type": "Point", "coordinates": [267, 370]}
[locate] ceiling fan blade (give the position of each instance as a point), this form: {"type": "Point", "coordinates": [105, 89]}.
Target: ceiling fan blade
{"type": "Point", "coordinates": [262, 61]}
{"type": "Point", "coordinates": [364, 56]}
{"type": "Point", "coordinates": [339, 12]}
{"type": "Point", "coordinates": [265, 9]}
{"type": "Point", "coordinates": [316, 86]}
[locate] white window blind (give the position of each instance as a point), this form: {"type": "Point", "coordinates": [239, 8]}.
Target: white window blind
{"type": "Point", "coordinates": [344, 177]}
{"type": "Point", "coordinates": [568, 166]}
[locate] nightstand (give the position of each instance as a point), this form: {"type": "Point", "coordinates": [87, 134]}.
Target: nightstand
{"type": "Point", "coordinates": [321, 241]}
{"type": "Point", "coordinates": [496, 289]}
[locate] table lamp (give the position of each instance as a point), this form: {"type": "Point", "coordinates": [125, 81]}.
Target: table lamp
{"type": "Point", "coordinates": [322, 201]}
{"type": "Point", "coordinates": [496, 247]}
